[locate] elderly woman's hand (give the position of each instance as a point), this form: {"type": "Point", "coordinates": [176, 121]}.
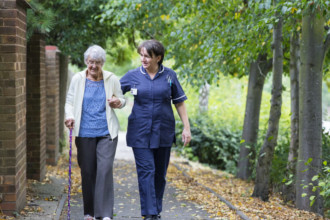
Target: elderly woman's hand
{"type": "Point", "coordinates": [69, 123]}
{"type": "Point", "coordinates": [114, 102]}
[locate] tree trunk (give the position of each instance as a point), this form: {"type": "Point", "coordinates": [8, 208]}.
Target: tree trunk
{"type": "Point", "coordinates": [258, 72]}
{"type": "Point", "coordinates": [289, 190]}
{"type": "Point", "coordinates": [310, 111]}
{"type": "Point", "coordinates": [294, 82]}
{"type": "Point", "coordinates": [261, 188]}
{"type": "Point", "coordinates": [204, 92]}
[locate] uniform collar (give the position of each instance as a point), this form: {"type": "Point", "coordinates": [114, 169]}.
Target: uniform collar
{"type": "Point", "coordinates": [160, 70]}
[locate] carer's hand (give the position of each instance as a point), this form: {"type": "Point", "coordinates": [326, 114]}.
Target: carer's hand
{"type": "Point", "coordinates": [69, 123]}
{"type": "Point", "coordinates": [114, 102]}
{"type": "Point", "coordinates": [186, 136]}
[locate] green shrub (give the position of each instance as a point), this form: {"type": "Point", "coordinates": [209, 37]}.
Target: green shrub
{"type": "Point", "coordinates": [211, 144]}
{"type": "Point", "coordinates": [324, 182]}
{"type": "Point", "coordinates": [280, 174]}
{"type": "Point", "coordinates": [280, 159]}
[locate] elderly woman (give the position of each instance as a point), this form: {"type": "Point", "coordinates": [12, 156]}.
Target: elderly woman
{"type": "Point", "coordinates": [92, 95]}
{"type": "Point", "coordinates": [151, 125]}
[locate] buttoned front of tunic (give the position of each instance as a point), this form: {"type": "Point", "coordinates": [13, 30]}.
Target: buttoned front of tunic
{"type": "Point", "coordinates": [151, 123]}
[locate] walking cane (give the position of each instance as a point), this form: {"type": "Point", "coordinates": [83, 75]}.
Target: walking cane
{"type": "Point", "coordinates": [69, 190]}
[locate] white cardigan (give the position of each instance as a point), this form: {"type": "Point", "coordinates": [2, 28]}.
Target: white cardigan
{"type": "Point", "coordinates": [75, 95]}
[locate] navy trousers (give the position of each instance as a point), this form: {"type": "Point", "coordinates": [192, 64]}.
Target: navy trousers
{"type": "Point", "coordinates": [151, 166]}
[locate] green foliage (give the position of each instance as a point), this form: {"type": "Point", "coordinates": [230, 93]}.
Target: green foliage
{"type": "Point", "coordinates": [321, 183]}
{"type": "Point", "coordinates": [216, 135]}
{"type": "Point", "coordinates": [77, 27]}
{"type": "Point", "coordinates": [150, 18]}
{"type": "Point", "coordinates": [278, 172]}
{"type": "Point", "coordinates": [74, 68]}
{"type": "Point", "coordinates": [203, 29]}
{"type": "Point", "coordinates": [322, 179]}
{"type": "Point", "coordinates": [226, 102]}
{"type": "Point", "coordinates": [326, 100]}
{"type": "Point", "coordinates": [216, 37]}
{"type": "Point", "coordinates": [205, 39]}
{"type": "Point", "coordinates": [63, 142]}
{"type": "Point", "coordinates": [211, 144]}
{"type": "Point", "coordinates": [326, 146]}
{"type": "Point", "coordinates": [120, 58]}
{"type": "Point", "coordinates": [226, 112]}
{"type": "Point", "coordinates": [324, 184]}
{"type": "Point", "coordinates": [219, 36]}
{"type": "Point", "coordinates": [123, 113]}
{"type": "Point", "coordinates": [39, 19]}
{"type": "Point", "coordinates": [280, 160]}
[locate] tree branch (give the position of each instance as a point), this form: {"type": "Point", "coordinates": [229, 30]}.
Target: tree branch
{"type": "Point", "coordinates": [133, 39]}
{"type": "Point", "coordinates": [149, 34]}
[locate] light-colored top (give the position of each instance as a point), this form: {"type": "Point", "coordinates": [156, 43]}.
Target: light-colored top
{"type": "Point", "coordinates": [93, 117]}
{"type": "Point", "coordinates": [75, 95]}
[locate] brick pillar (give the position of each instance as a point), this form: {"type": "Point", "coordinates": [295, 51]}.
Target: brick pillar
{"type": "Point", "coordinates": [36, 107]}
{"type": "Point", "coordinates": [12, 105]}
{"type": "Point", "coordinates": [64, 64]}
{"type": "Point", "coordinates": [52, 102]}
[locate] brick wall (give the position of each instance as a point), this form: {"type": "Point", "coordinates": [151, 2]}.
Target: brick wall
{"type": "Point", "coordinates": [36, 107]}
{"type": "Point", "coordinates": [52, 103]}
{"type": "Point", "coordinates": [12, 105]}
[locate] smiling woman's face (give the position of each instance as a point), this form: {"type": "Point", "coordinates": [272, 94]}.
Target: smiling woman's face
{"type": "Point", "coordinates": [94, 67]}
{"type": "Point", "coordinates": [148, 61]}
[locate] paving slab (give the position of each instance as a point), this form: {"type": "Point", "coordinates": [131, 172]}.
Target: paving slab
{"type": "Point", "coordinates": [48, 197]}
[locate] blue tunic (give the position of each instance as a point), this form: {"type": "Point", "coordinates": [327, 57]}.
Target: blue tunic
{"type": "Point", "coordinates": [151, 123]}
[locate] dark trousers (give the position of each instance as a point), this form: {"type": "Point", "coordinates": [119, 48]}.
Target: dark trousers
{"type": "Point", "coordinates": [151, 166]}
{"type": "Point", "coordinates": [95, 159]}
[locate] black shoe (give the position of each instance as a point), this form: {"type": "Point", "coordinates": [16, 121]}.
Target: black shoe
{"type": "Point", "coordinates": [149, 217]}
{"type": "Point", "coordinates": [159, 217]}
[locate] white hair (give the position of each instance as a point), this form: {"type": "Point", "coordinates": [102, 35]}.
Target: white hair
{"type": "Point", "coordinates": [95, 52]}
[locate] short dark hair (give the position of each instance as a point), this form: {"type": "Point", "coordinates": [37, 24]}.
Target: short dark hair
{"type": "Point", "coordinates": [153, 47]}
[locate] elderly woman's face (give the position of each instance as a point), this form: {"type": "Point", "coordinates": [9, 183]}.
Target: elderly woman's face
{"type": "Point", "coordinates": [94, 66]}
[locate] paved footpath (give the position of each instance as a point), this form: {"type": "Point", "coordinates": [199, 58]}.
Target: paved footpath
{"type": "Point", "coordinates": [127, 204]}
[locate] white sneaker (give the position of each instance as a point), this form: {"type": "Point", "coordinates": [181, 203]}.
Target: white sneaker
{"type": "Point", "coordinates": [88, 217]}
{"type": "Point", "coordinates": [106, 218]}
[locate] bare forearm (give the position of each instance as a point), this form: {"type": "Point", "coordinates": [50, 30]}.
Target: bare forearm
{"type": "Point", "coordinates": [186, 135]}
{"type": "Point", "coordinates": [181, 109]}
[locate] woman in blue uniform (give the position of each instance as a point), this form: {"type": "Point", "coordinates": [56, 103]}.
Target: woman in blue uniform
{"type": "Point", "coordinates": [151, 125]}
